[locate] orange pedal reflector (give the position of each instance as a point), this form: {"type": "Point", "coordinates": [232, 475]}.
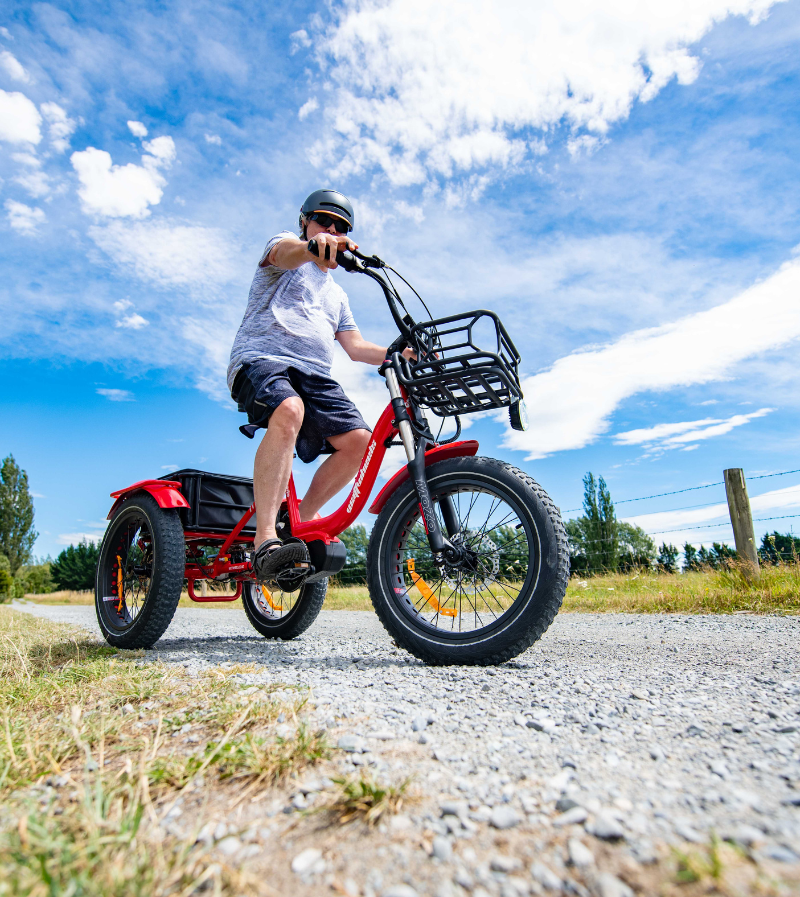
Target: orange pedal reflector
{"type": "Point", "coordinates": [268, 595]}
{"type": "Point", "coordinates": [427, 592]}
{"type": "Point", "coordinates": [119, 583]}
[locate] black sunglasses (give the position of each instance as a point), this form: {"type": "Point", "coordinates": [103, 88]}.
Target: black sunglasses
{"type": "Point", "coordinates": [325, 220]}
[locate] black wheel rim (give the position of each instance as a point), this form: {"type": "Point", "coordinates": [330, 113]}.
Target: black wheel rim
{"type": "Point", "coordinates": [462, 604]}
{"type": "Point", "coordinates": [126, 579]}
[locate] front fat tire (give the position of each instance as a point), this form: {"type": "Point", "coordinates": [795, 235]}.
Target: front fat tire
{"type": "Point", "coordinates": [306, 609]}
{"type": "Point", "coordinates": [539, 608]}
{"type": "Point", "coordinates": [168, 567]}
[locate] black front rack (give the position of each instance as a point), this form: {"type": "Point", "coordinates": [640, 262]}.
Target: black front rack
{"type": "Point", "coordinates": [456, 375]}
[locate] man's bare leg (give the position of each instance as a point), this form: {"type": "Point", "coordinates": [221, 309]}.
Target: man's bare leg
{"type": "Point", "coordinates": [273, 465]}
{"type": "Point", "coordinates": [336, 471]}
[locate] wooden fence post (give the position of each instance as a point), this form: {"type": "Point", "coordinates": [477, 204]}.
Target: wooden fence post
{"type": "Point", "coordinates": [741, 517]}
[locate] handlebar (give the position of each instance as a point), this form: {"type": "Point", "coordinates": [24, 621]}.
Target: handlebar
{"type": "Point", "coordinates": [356, 262]}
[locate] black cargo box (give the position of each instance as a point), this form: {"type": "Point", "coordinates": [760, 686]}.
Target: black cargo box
{"type": "Point", "coordinates": [216, 501]}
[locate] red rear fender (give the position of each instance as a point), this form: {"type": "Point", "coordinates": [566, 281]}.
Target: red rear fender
{"type": "Point", "coordinates": [167, 494]}
{"type": "Point", "coordinates": [439, 453]}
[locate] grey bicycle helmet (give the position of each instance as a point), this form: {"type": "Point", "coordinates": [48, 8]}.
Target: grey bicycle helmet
{"type": "Point", "coordinates": [330, 201]}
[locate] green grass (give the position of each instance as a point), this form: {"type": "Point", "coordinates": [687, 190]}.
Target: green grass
{"type": "Point", "coordinates": [364, 797]}
{"type": "Point", "coordinates": [775, 591]}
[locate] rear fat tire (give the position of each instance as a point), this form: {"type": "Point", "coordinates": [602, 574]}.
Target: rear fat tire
{"type": "Point", "coordinates": [166, 579]}
{"type": "Point", "coordinates": [537, 609]}
{"type": "Point", "coordinates": [305, 610]}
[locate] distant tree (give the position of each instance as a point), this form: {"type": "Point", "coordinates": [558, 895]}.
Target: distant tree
{"type": "Point", "coordinates": [717, 557]}
{"type": "Point", "coordinates": [637, 551]}
{"type": "Point", "coordinates": [6, 580]}
{"type": "Point", "coordinates": [668, 558]}
{"type": "Point", "coordinates": [75, 567]}
{"type": "Point", "coordinates": [594, 538]}
{"type": "Point", "coordinates": [690, 561]}
{"type": "Point", "coordinates": [17, 534]}
{"type": "Point", "coordinates": [356, 540]}
{"type": "Point", "coordinates": [777, 548]}
{"type": "Point", "coordinates": [36, 578]}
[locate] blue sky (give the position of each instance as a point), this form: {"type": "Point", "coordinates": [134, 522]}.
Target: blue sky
{"type": "Point", "coordinates": [619, 181]}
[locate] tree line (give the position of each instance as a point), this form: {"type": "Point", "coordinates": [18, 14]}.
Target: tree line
{"type": "Point", "coordinates": [20, 572]}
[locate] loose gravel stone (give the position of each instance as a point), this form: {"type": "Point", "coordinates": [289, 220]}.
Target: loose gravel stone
{"type": "Point", "coordinates": [605, 827]}
{"type": "Point", "coordinates": [579, 853]}
{"type": "Point", "coordinates": [442, 848]}
{"type": "Point", "coordinates": [352, 744]}
{"type": "Point", "coordinates": [504, 817]}
{"type": "Point", "coordinates": [308, 861]}
{"type": "Point", "coordinates": [399, 891]}
{"type": "Point", "coordinates": [575, 816]}
{"type": "Point", "coordinates": [608, 885]}
{"type": "Point", "coordinates": [545, 877]}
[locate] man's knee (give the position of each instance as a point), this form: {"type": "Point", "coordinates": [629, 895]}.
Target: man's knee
{"type": "Point", "coordinates": [354, 442]}
{"type": "Point", "coordinates": [288, 416]}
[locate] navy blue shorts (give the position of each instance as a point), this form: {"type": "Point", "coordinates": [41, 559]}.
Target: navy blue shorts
{"type": "Point", "coordinates": [260, 386]}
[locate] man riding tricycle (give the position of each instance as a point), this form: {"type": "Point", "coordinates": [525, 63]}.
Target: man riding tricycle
{"type": "Point", "coordinates": [468, 559]}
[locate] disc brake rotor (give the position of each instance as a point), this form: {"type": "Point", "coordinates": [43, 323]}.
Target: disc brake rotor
{"type": "Point", "coordinates": [488, 563]}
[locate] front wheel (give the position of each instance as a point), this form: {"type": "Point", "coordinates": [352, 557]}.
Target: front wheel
{"type": "Point", "coordinates": [507, 584]}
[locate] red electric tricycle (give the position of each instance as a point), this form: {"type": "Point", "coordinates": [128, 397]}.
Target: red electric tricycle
{"type": "Point", "coordinates": [468, 559]}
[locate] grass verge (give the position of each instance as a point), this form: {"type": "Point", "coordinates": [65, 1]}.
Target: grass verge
{"type": "Point", "coordinates": [775, 591]}
{"type": "Point", "coordinates": [364, 797]}
{"type": "Point", "coordinates": [87, 764]}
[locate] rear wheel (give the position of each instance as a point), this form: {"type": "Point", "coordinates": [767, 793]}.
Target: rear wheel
{"type": "Point", "coordinates": [278, 614]}
{"type": "Point", "coordinates": [507, 584]}
{"type": "Point", "coordinates": [139, 573]}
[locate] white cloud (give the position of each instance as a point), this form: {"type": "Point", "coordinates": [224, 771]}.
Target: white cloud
{"type": "Point", "coordinates": [681, 434]}
{"type": "Point", "coordinates": [76, 538]}
{"type": "Point", "coordinates": [117, 395]}
{"type": "Point", "coordinates": [307, 108]}
{"type": "Point", "coordinates": [13, 67]}
{"type": "Point", "coordinates": [678, 525]}
{"type": "Point", "coordinates": [168, 254]}
{"type": "Point", "coordinates": [133, 321]}
{"type": "Point", "coordinates": [19, 119]}
{"type": "Point", "coordinates": [300, 39]}
{"type": "Point", "coordinates": [123, 191]}
{"type": "Point", "coordinates": [61, 126]}
{"type": "Point", "coordinates": [214, 139]}
{"type": "Point", "coordinates": [420, 90]}
{"type": "Point", "coordinates": [33, 179]}
{"type": "Point", "coordinates": [570, 405]}
{"type": "Point", "coordinates": [137, 129]}
{"type": "Point", "coordinates": [22, 218]}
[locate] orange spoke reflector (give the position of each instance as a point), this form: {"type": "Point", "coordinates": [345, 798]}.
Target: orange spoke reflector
{"type": "Point", "coordinates": [427, 593]}
{"type": "Point", "coordinates": [270, 601]}
{"type": "Point", "coordinates": [119, 584]}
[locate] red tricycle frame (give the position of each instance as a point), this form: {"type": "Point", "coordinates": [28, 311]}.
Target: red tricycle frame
{"type": "Point", "coordinates": [167, 493]}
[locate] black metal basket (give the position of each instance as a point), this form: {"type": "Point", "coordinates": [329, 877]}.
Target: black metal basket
{"type": "Point", "coordinates": [454, 374]}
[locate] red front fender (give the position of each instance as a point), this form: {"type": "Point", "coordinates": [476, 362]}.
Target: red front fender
{"type": "Point", "coordinates": [167, 494]}
{"type": "Point", "coordinates": [439, 453]}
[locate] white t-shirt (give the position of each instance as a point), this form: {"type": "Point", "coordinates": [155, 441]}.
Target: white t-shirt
{"type": "Point", "coordinates": [291, 317]}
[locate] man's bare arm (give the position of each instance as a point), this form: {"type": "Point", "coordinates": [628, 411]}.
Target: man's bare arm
{"type": "Point", "coordinates": [292, 252]}
{"type": "Point", "coordinates": [360, 349]}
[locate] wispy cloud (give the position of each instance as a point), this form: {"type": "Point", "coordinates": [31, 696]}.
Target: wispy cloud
{"type": "Point", "coordinates": [681, 434]}
{"type": "Point", "coordinates": [117, 395]}
{"type": "Point", "coordinates": [13, 67]}
{"type": "Point", "coordinates": [571, 404]}
{"type": "Point", "coordinates": [24, 219]}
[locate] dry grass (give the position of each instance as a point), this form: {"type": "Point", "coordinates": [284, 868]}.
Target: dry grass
{"type": "Point", "coordinates": [777, 590]}
{"type": "Point", "coordinates": [84, 779]}
{"type": "Point", "coordinates": [364, 797]}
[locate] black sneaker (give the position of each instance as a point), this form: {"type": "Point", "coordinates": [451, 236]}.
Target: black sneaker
{"type": "Point", "coordinates": [273, 556]}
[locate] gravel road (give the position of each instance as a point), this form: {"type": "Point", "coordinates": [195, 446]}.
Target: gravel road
{"type": "Point", "coordinates": [614, 740]}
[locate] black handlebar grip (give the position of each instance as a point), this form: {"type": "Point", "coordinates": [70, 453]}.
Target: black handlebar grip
{"type": "Point", "coordinates": [343, 257]}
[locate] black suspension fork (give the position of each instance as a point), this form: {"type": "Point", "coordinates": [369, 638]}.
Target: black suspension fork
{"type": "Point", "coordinates": [415, 453]}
